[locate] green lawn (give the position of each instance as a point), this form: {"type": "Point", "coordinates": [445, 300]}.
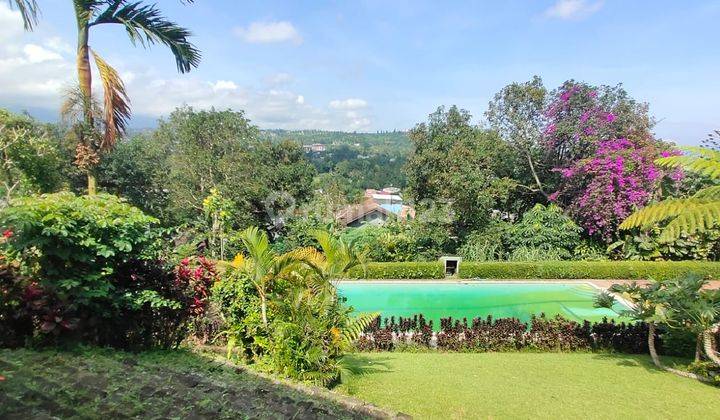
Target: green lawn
{"type": "Point", "coordinates": [529, 385]}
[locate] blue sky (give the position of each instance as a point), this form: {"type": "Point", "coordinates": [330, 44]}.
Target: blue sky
{"type": "Point", "coordinates": [383, 65]}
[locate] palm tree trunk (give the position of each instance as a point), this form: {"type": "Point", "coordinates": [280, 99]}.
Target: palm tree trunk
{"type": "Point", "coordinates": [658, 363]}
{"type": "Point", "coordinates": [710, 351]}
{"type": "Point", "coordinates": [85, 83]}
{"type": "Point", "coordinates": [263, 308]}
{"type": "Point", "coordinates": [651, 346]}
{"type": "Point", "coordinates": [698, 347]}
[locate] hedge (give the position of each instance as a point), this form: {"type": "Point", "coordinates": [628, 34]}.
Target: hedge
{"type": "Point", "coordinates": [399, 270]}
{"type": "Point", "coordinates": [630, 270]}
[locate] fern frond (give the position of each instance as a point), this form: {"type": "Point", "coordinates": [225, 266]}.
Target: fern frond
{"type": "Point", "coordinates": [694, 218]}
{"type": "Point", "coordinates": [697, 164]}
{"type": "Point", "coordinates": [708, 194]}
{"type": "Point", "coordinates": [352, 331]}
{"type": "Point", "coordinates": [704, 152]}
{"type": "Point", "coordinates": [655, 213]}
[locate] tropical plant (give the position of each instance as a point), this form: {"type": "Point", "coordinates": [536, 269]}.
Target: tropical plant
{"type": "Point", "coordinates": [692, 307]}
{"type": "Point", "coordinates": [263, 266]}
{"type": "Point", "coordinates": [657, 303]}
{"type": "Point", "coordinates": [545, 228]}
{"type": "Point", "coordinates": [144, 25]}
{"type": "Point", "coordinates": [697, 213]}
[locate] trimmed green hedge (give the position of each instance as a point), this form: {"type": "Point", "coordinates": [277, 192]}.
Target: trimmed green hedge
{"type": "Point", "coordinates": [631, 270]}
{"type": "Point", "coordinates": [399, 270]}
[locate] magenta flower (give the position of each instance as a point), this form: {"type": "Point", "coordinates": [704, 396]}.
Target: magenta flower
{"type": "Point", "coordinates": [611, 117]}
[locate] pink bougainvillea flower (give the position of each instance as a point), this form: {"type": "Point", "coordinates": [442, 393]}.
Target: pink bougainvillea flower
{"type": "Point", "coordinates": [611, 117]}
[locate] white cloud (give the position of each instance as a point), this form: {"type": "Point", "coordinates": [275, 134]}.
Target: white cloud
{"type": "Point", "coordinates": [269, 32]}
{"type": "Point", "coordinates": [350, 103]}
{"type": "Point", "coordinates": [573, 9]}
{"type": "Point", "coordinates": [224, 85]}
{"type": "Point", "coordinates": [37, 54]}
{"type": "Point", "coordinates": [300, 99]}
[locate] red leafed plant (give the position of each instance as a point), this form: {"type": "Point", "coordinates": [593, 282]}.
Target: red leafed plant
{"type": "Point", "coordinates": [196, 276]}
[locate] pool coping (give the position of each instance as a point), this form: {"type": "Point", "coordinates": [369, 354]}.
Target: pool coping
{"type": "Point", "coordinates": [590, 283]}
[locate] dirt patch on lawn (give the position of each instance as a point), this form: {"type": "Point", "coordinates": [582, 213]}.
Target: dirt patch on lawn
{"type": "Point", "coordinates": [94, 383]}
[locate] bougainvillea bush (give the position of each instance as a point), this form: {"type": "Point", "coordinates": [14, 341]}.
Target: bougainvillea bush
{"type": "Point", "coordinates": [91, 272]}
{"type": "Point", "coordinates": [604, 154]}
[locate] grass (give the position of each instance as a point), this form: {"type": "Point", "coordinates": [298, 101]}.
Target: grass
{"type": "Point", "coordinates": [92, 383]}
{"type": "Point", "coordinates": [528, 385]}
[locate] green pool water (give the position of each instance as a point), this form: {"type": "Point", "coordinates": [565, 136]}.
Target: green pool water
{"type": "Point", "coordinates": [437, 300]}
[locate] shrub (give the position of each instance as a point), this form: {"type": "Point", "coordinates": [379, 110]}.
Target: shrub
{"type": "Point", "coordinates": [94, 275]}
{"type": "Point", "coordinates": [545, 228]}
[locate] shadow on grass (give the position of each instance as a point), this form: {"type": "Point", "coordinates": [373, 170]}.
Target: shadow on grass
{"type": "Point", "coordinates": [645, 362]}
{"type": "Point", "coordinates": [358, 364]}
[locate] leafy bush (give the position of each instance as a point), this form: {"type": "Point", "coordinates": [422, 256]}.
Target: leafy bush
{"type": "Point", "coordinates": [545, 228]}
{"type": "Point", "coordinates": [646, 246]}
{"type": "Point", "coordinates": [94, 274]}
{"type": "Point", "coordinates": [488, 244]}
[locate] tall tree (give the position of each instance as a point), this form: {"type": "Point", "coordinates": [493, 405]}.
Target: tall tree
{"type": "Point", "coordinates": [517, 113]}
{"type": "Point", "coordinates": [461, 166]}
{"type": "Point", "coordinates": [98, 127]}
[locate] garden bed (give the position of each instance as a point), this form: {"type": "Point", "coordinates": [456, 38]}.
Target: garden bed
{"type": "Point", "coordinates": [94, 383]}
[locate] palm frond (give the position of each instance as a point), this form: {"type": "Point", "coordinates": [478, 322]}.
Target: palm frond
{"type": "Point", "coordinates": [146, 25]}
{"type": "Point", "coordinates": [695, 217]}
{"type": "Point", "coordinates": [29, 12]}
{"type": "Point", "coordinates": [116, 103]}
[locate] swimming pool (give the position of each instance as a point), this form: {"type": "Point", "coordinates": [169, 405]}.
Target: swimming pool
{"type": "Point", "coordinates": [469, 300]}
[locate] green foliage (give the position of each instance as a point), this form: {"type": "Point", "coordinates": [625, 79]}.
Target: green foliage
{"type": "Point", "coordinates": [136, 170]}
{"type": "Point", "coordinates": [545, 228]}
{"type": "Point", "coordinates": [95, 276]}
{"type": "Point", "coordinates": [646, 246]}
{"type": "Point", "coordinates": [195, 151]}
{"type": "Point", "coordinates": [74, 242]}
{"type": "Point", "coordinates": [542, 270]}
{"type": "Point", "coordinates": [688, 216]}
{"type": "Point", "coordinates": [399, 270]}
{"type": "Point", "coordinates": [488, 244]}
{"type": "Point", "coordinates": [282, 311]}
{"type": "Point", "coordinates": [32, 158]}
{"type": "Point", "coordinates": [587, 269]}
{"type": "Point", "coordinates": [454, 162]}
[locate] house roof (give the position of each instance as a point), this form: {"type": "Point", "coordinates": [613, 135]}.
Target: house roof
{"type": "Point", "coordinates": [355, 212]}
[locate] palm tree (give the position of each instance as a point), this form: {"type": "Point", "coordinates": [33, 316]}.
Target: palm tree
{"type": "Point", "coordinates": [334, 261]}
{"type": "Point", "coordinates": [144, 25]}
{"type": "Point", "coordinates": [263, 266]}
{"type": "Point", "coordinates": [685, 215]}
{"type": "Point", "coordinates": [650, 306]}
